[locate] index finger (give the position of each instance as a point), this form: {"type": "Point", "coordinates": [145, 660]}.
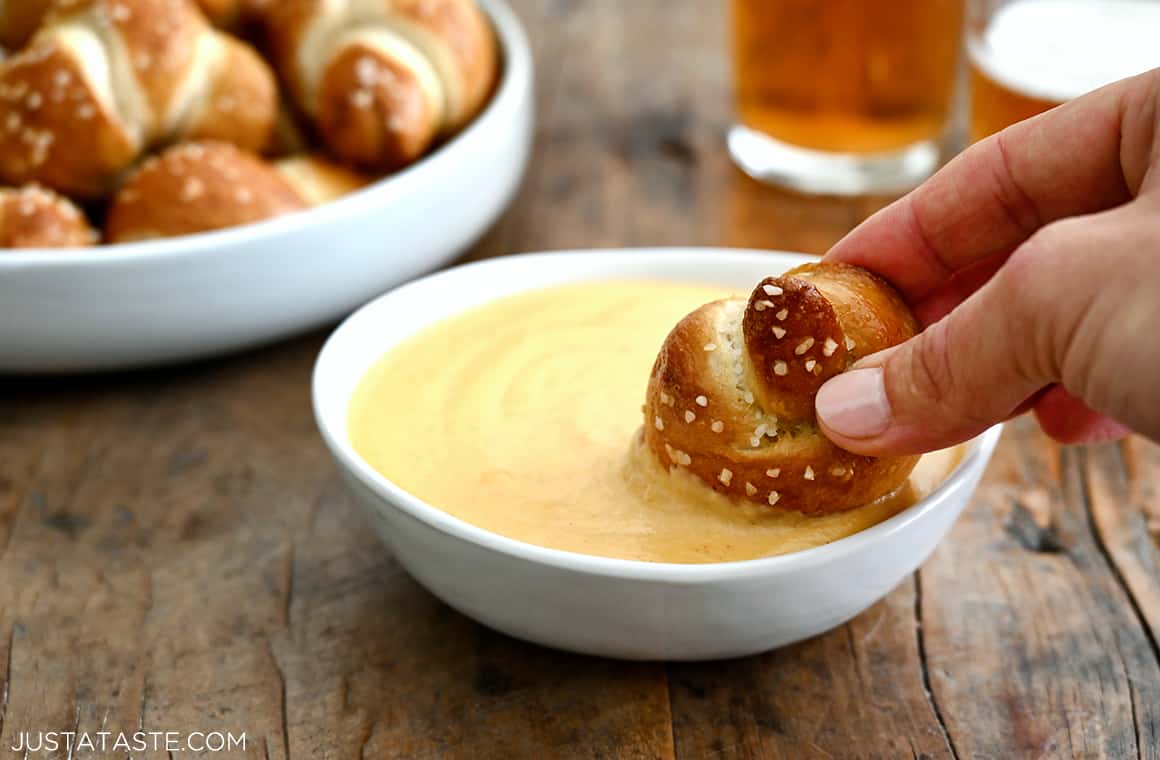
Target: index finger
{"type": "Point", "coordinates": [1079, 158]}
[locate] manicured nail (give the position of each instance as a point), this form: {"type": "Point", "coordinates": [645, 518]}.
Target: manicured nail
{"type": "Point", "coordinates": [854, 404]}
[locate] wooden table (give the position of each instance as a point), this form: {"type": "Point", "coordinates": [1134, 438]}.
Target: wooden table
{"type": "Point", "coordinates": [176, 553]}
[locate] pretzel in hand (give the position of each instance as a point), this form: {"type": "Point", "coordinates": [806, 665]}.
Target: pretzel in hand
{"type": "Point", "coordinates": [731, 395]}
{"type": "Point", "coordinates": [102, 80]}
{"type": "Point", "coordinates": [382, 79]}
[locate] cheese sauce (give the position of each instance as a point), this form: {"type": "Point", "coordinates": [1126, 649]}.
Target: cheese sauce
{"type": "Point", "coordinates": [521, 416]}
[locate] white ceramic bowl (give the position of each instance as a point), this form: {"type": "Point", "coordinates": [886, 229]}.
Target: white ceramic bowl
{"type": "Point", "coordinates": [161, 301]}
{"type": "Point", "coordinates": [596, 605]}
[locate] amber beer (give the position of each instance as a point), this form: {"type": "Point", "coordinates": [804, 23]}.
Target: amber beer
{"type": "Point", "coordinates": [1028, 56]}
{"type": "Point", "coordinates": [996, 106]}
{"type": "Point", "coordinates": [854, 76]}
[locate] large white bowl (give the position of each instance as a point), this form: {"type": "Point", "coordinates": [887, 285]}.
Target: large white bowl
{"type": "Point", "coordinates": [161, 301]}
{"type": "Point", "coordinates": [596, 605]}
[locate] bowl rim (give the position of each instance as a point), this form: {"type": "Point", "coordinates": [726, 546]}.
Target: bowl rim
{"type": "Point", "coordinates": [390, 495]}
{"type": "Point", "coordinates": [514, 84]}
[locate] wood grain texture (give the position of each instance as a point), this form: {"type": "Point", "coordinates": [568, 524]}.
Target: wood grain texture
{"type": "Point", "coordinates": [1039, 647]}
{"type": "Point", "coordinates": [857, 691]}
{"type": "Point", "coordinates": [177, 554]}
{"type": "Point", "coordinates": [191, 563]}
{"type": "Point", "coordinates": [1124, 486]}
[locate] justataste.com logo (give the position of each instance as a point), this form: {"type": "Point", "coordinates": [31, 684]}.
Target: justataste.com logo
{"type": "Point", "coordinates": [33, 742]}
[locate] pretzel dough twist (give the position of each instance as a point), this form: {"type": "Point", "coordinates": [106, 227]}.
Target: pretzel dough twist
{"type": "Point", "coordinates": [731, 394]}
{"type": "Point", "coordinates": [33, 217]}
{"type": "Point", "coordinates": [382, 79]}
{"type": "Point", "coordinates": [103, 80]}
{"type": "Point", "coordinates": [203, 186]}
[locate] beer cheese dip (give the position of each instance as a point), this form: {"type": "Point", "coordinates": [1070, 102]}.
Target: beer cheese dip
{"type": "Point", "coordinates": [521, 417]}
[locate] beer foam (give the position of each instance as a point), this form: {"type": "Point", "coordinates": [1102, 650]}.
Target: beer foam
{"type": "Point", "coordinates": [1057, 50]}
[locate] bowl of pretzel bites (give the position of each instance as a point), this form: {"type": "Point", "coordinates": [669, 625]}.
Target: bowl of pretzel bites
{"type": "Point", "coordinates": [185, 178]}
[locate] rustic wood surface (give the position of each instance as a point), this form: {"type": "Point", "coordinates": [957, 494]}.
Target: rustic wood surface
{"type": "Point", "coordinates": [176, 553]}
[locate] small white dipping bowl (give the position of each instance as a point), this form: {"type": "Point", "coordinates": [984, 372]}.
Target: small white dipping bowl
{"type": "Point", "coordinates": [161, 301]}
{"type": "Point", "coordinates": [596, 605]}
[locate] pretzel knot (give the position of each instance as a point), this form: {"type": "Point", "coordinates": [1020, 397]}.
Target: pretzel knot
{"type": "Point", "coordinates": [731, 395]}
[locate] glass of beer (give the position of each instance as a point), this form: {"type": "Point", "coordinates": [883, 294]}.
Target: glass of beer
{"type": "Point", "coordinates": [1027, 56]}
{"type": "Point", "coordinates": [844, 96]}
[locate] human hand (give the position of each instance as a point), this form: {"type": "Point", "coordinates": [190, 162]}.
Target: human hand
{"type": "Point", "coordinates": [1033, 261]}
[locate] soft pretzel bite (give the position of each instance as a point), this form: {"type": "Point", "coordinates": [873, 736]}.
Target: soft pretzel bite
{"type": "Point", "coordinates": [731, 394]}
{"type": "Point", "coordinates": [383, 80]}
{"type": "Point", "coordinates": [198, 187]}
{"type": "Point", "coordinates": [102, 81]}
{"type": "Point", "coordinates": [202, 186]}
{"type": "Point", "coordinates": [35, 217]}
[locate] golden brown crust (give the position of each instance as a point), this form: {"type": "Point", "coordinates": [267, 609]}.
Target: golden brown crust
{"type": "Point", "coordinates": [240, 105]}
{"type": "Point", "coordinates": [34, 217]}
{"type": "Point", "coordinates": [198, 187]}
{"type": "Point", "coordinates": [19, 19]}
{"type": "Point", "coordinates": [373, 109]}
{"type": "Point", "coordinates": [243, 17]}
{"type": "Point", "coordinates": [731, 394]}
{"type": "Point", "coordinates": [102, 80]}
{"type": "Point", "coordinates": [55, 128]}
{"type": "Point", "coordinates": [462, 28]}
{"type": "Point", "coordinates": [288, 23]}
{"type": "Point", "coordinates": [157, 40]}
{"type": "Point", "coordinates": [382, 80]}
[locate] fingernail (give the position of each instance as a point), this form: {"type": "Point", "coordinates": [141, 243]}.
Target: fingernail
{"type": "Point", "coordinates": [854, 404]}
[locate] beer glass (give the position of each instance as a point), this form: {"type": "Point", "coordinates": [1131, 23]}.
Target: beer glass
{"type": "Point", "coordinates": [843, 96]}
{"type": "Point", "coordinates": [1027, 56]}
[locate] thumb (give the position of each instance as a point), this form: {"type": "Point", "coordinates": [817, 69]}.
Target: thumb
{"type": "Point", "coordinates": [928, 393]}
{"type": "Point", "coordinates": [981, 362]}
